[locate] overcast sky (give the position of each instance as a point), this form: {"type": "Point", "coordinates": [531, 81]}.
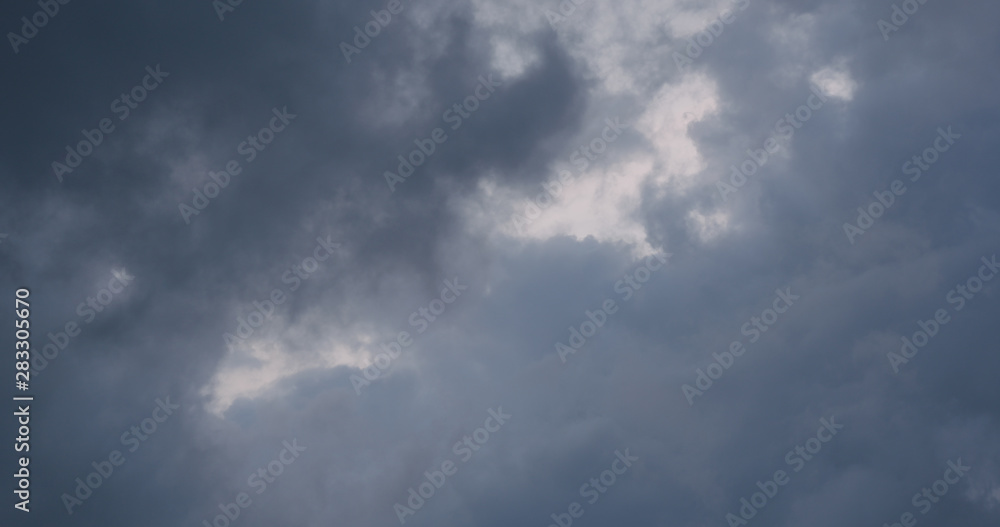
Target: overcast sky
{"type": "Point", "coordinates": [659, 242]}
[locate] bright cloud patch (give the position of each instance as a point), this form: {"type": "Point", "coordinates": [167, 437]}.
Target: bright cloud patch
{"type": "Point", "coordinates": [835, 81]}
{"type": "Point", "coordinates": [665, 125]}
{"type": "Point", "coordinates": [602, 199]}
{"type": "Point", "coordinates": [259, 367]}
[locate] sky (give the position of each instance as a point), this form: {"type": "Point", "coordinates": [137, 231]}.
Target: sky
{"type": "Point", "coordinates": [457, 262]}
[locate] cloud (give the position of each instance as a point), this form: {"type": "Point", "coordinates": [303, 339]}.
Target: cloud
{"type": "Point", "coordinates": [650, 190]}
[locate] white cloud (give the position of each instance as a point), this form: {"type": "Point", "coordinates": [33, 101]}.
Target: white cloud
{"type": "Point", "coordinates": [258, 367]}
{"type": "Point", "coordinates": [835, 81]}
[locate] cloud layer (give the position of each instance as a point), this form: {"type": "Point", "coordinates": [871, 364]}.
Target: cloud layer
{"type": "Point", "coordinates": [606, 142]}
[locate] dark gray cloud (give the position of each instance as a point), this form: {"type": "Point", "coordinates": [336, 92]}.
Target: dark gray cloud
{"type": "Point", "coordinates": [651, 191]}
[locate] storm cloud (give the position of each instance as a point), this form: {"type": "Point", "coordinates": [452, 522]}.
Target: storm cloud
{"type": "Point", "coordinates": [569, 263]}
